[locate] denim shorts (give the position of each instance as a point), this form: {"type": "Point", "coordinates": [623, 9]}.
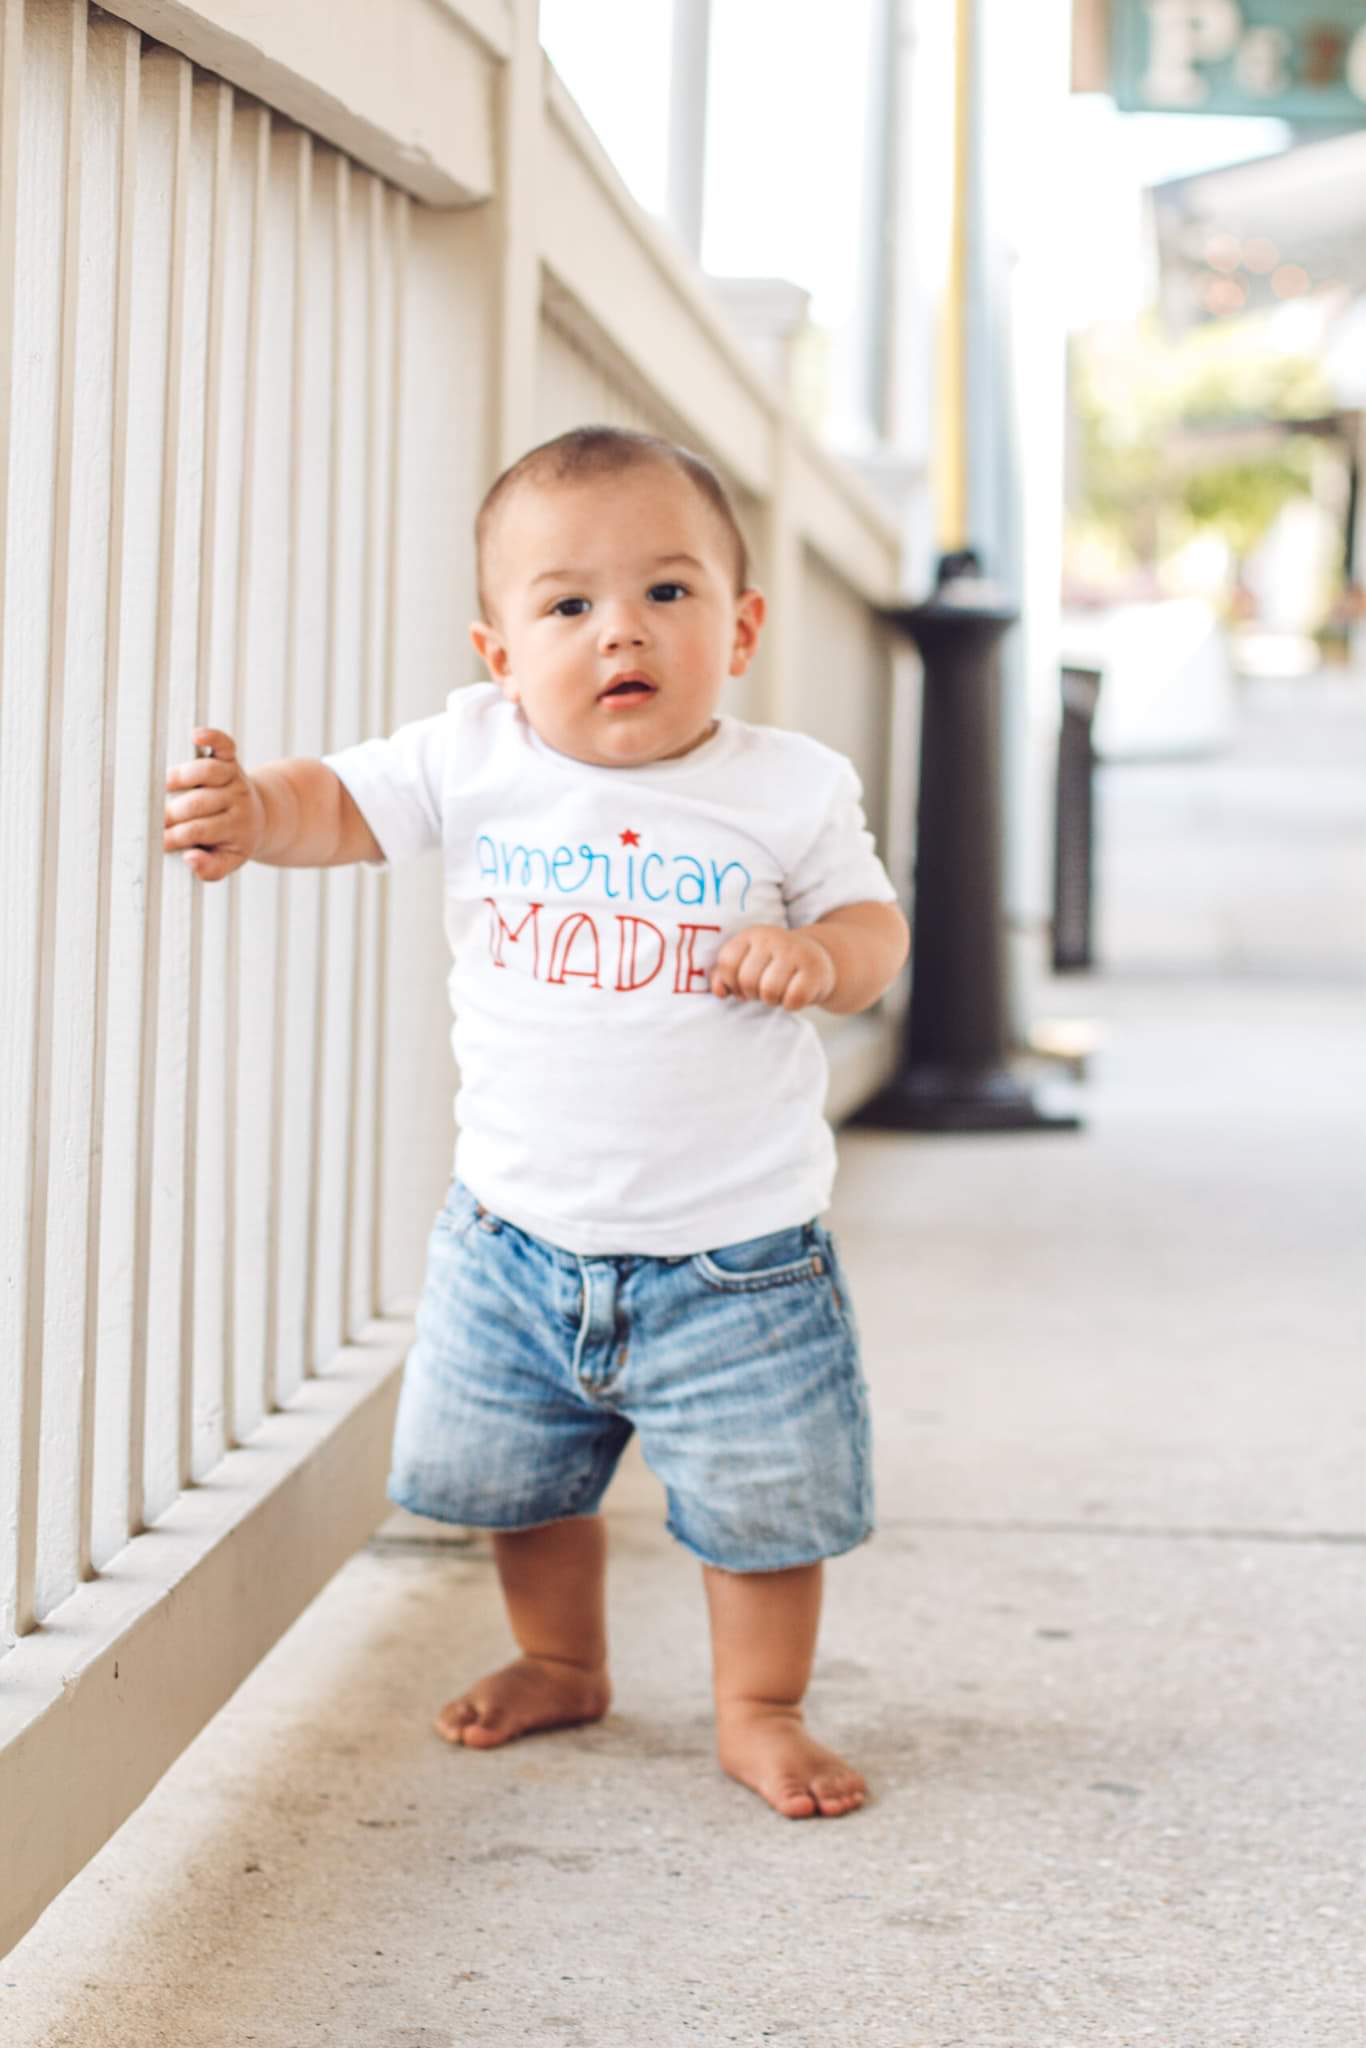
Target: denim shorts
{"type": "Point", "coordinates": [738, 1366]}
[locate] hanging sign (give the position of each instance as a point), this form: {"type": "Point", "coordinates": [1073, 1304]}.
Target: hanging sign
{"type": "Point", "coordinates": [1304, 60]}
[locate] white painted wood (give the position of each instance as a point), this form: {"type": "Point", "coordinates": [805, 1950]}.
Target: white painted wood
{"type": "Point", "coordinates": [14, 1166]}
{"type": "Point", "coordinates": [251, 154]}
{"type": "Point", "coordinates": [488, 21]}
{"type": "Point", "coordinates": [138, 429]}
{"type": "Point", "coordinates": [168, 98]}
{"type": "Point", "coordinates": [408, 92]}
{"type": "Point", "coordinates": [521, 173]}
{"type": "Point", "coordinates": [261, 737]}
{"type": "Point", "coordinates": [76, 730]}
{"type": "Point", "coordinates": [844, 678]}
{"type": "Point", "coordinates": [579, 382]}
{"type": "Point", "coordinates": [363, 1137]}
{"type": "Point", "coordinates": [152, 423]}
{"type": "Point", "coordinates": [27, 848]}
{"type": "Point", "coordinates": [96, 1708]}
{"type": "Point", "coordinates": [301, 889]}
{"type": "Point", "coordinates": [847, 526]}
{"type": "Point", "coordinates": [113, 65]}
{"type": "Point", "coordinates": [333, 1092]}
{"type": "Point", "coordinates": [225, 375]}
{"type": "Point", "coordinates": [446, 459]}
{"type": "Point", "coordinates": [386, 639]}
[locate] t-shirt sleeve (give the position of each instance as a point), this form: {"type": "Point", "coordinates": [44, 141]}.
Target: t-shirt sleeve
{"type": "Point", "coordinates": [840, 865]}
{"type": "Point", "coordinates": [397, 784]}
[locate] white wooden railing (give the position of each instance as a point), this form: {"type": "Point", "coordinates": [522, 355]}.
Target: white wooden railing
{"type": "Point", "coordinates": [279, 293]}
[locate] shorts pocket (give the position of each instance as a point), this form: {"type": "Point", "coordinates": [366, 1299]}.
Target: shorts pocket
{"type": "Point", "coordinates": [458, 1211]}
{"type": "Point", "coordinates": [783, 1258]}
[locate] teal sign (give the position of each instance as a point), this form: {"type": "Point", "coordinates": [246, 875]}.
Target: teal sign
{"type": "Point", "coordinates": [1303, 60]}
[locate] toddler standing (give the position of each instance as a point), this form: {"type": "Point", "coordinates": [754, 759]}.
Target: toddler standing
{"type": "Point", "coordinates": [643, 895]}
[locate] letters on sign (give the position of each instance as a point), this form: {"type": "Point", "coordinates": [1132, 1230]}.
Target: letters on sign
{"type": "Point", "coordinates": [1185, 37]}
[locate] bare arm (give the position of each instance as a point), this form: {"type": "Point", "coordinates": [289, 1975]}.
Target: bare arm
{"type": "Point", "coordinates": [843, 962]}
{"type": "Point", "coordinates": [311, 818]}
{"type": "Point", "coordinates": [294, 813]}
{"type": "Point", "coordinates": [868, 943]}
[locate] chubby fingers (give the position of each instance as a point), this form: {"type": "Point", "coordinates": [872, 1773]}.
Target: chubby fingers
{"type": "Point", "coordinates": [771, 965]}
{"type": "Point", "coordinates": [207, 739]}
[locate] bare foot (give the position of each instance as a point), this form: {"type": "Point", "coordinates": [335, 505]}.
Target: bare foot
{"type": "Point", "coordinates": [529, 1693]}
{"type": "Point", "coordinates": [768, 1749]}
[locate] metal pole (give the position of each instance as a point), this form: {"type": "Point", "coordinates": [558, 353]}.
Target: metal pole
{"type": "Point", "coordinates": [953, 1073]}
{"type": "Point", "coordinates": [688, 121]}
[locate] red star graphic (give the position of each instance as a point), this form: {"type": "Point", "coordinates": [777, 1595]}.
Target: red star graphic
{"type": "Point", "coordinates": [630, 838]}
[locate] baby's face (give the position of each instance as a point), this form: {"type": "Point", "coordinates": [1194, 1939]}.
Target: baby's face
{"type": "Point", "coordinates": [617, 619]}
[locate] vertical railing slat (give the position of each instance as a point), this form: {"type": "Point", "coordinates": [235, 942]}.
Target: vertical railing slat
{"type": "Point", "coordinates": [116, 50]}
{"type": "Point", "coordinates": [75, 810]}
{"type": "Point", "coordinates": [283, 1368]}
{"type": "Point", "coordinates": [313, 340]}
{"type": "Point", "coordinates": [384, 723]}
{"type": "Point", "coordinates": [241, 1413]}
{"type": "Point", "coordinates": [13, 1105]}
{"type": "Point", "coordinates": [357, 1301]}
{"type": "Point", "coordinates": [163, 122]}
{"type": "Point", "coordinates": [347, 939]}
{"type": "Point", "coordinates": [54, 1334]}
{"type": "Point", "coordinates": [261, 737]}
{"type": "Point", "coordinates": [235, 192]}
{"type": "Point", "coordinates": [163, 1201]}
{"type": "Point", "coordinates": [116, 1508]}
{"type": "Point", "coordinates": [323, 1334]}
{"type": "Point", "coordinates": [201, 1424]}
{"type": "Point", "coordinates": [35, 573]}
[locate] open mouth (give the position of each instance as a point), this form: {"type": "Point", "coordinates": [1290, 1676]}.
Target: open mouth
{"type": "Point", "coordinates": [628, 690]}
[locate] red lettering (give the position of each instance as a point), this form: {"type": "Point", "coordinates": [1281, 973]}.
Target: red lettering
{"type": "Point", "coordinates": [687, 971]}
{"type": "Point", "coordinates": [627, 962]}
{"type": "Point", "coordinates": [563, 945]}
{"type": "Point", "coordinates": [499, 930]}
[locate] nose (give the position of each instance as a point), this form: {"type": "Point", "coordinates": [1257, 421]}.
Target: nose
{"type": "Point", "coordinates": [621, 625]}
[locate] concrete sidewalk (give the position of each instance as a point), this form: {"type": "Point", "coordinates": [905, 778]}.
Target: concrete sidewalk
{"type": "Point", "coordinates": [1103, 1663]}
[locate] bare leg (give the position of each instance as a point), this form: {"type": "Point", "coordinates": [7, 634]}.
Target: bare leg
{"type": "Point", "coordinates": [763, 1634]}
{"type": "Point", "coordinates": [553, 1584]}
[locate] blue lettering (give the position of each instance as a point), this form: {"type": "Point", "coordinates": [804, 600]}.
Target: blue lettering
{"type": "Point", "coordinates": [488, 860]}
{"type": "Point", "coordinates": [528, 855]}
{"type": "Point", "coordinates": [655, 896]}
{"type": "Point", "coordinates": [589, 855]}
{"type": "Point", "coordinates": [562, 859]}
{"type": "Point", "coordinates": [718, 876]}
{"type": "Point", "coordinates": [697, 878]}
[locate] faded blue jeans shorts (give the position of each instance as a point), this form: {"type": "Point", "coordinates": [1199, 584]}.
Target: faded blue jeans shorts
{"type": "Point", "coordinates": [738, 1366]}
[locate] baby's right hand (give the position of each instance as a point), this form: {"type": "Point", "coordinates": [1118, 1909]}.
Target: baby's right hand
{"type": "Point", "coordinates": [222, 821]}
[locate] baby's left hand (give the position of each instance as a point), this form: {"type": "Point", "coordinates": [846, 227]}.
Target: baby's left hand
{"type": "Point", "coordinates": [774, 965]}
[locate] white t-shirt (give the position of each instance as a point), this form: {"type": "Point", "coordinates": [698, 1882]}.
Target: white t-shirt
{"type": "Point", "coordinates": [608, 1101]}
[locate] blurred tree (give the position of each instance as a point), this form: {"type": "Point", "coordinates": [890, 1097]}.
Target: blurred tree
{"type": "Point", "coordinates": [1143, 406]}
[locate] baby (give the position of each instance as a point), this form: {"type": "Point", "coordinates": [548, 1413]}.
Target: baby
{"type": "Point", "coordinates": [643, 895]}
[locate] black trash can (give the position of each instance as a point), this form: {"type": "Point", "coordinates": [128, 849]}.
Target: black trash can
{"type": "Point", "coordinates": [1074, 833]}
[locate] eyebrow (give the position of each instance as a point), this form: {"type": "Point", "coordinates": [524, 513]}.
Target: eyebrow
{"type": "Point", "coordinates": [580, 575]}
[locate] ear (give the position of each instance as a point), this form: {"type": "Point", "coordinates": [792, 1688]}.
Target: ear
{"type": "Point", "coordinates": [750, 608]}
{"type": "Point", "coordinates": [489, 646]}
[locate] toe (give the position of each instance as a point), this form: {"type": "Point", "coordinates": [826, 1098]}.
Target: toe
{"type": "Point", "coordinates": [485, 1731]}
{"type": "Point", "coordinates": [454, 1718]}
{"type": "Point", "coordinates": [791, 1798]}
{"type": "Point", "coordinates": [837, 1795]}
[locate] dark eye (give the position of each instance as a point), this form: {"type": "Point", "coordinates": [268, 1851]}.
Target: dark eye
{"type": "Point", "coordinates": [569, 608]}
{"type": "Point", "coordinates": [667, 593]}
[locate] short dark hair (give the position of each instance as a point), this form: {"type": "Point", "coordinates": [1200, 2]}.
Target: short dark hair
{"type": "Point", "coordinates": [604, 451]}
